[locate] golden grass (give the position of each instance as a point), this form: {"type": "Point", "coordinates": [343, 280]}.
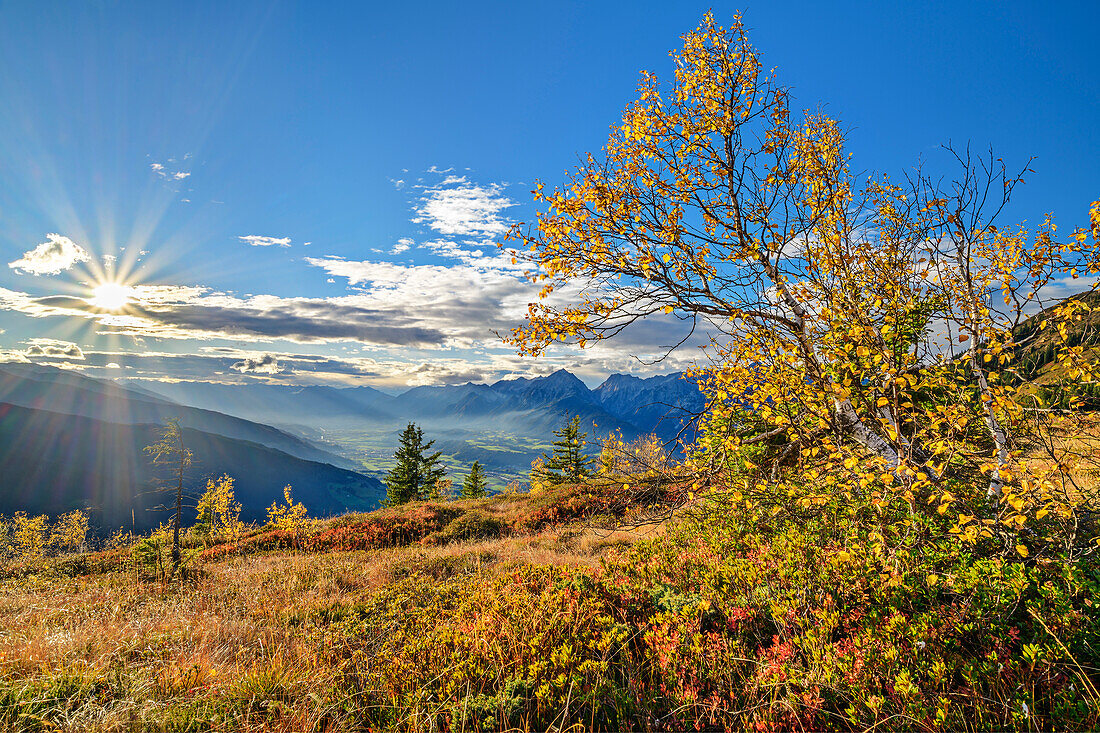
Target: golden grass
{"type": "Point", "coordinates": [237, 632]}
{"type": "Point", "coordinates": [1074, 440]}
{"type": "Point", "coordinates": [333, 640]}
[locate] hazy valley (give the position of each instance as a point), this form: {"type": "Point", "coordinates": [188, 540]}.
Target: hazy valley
{"type": "Point", "coordinates": [332, 445]}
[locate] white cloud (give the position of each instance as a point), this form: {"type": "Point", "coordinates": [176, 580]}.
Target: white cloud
{"type": "Point", "coordinates": [402, 245]}
{"type": "Point", "coordinates": [266, 364]}
{"type": "Point", "coordinates": [257, 241]}
{"type": "Point", "coordinates": [465, 302]}
{"type": "Point", "coordinates": [167, 173]}
{"type": "Point", "coordinates": [12, 356]}
{"type": "Point", "coordinates": [457, 207]}
{"type": "Point", "coordinates": [52, 257]}
{"type": "Point", "coordinates": [1060, 289]}
{"type": "Point", "coordinates": [53, 349]}
{"type": "Point", "coordinates": [500, 260]}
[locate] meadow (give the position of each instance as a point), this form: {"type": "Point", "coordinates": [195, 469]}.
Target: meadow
{"type": "Point", "coordinates": [577, 607]}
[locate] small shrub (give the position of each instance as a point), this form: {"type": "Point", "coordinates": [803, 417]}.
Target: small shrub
{"type": "Point", "coordinates": [470, 525]}
{"type": "Point", "coordinates": [289, 517]}
{"type": "Point", "coordinates": [29, 536]}
{"type": "Point", "coordinates": [70, 532]}
{"type": "Point", "coordinates": [218, 513]}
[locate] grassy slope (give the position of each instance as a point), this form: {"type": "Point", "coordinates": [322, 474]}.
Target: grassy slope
{"type": "Point", "coordinates": [548, 621]}
{"type": "Point", "coordinates": [1035, 357]}
{"type": "Point", "coordinates": [94, 642]}
{"type": "Point", "coordinates": [54, 463]}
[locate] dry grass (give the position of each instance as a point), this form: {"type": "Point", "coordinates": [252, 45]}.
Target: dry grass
{"type": "Point", "coordinates": [1073, 440]}
{"type": "Point", "coordinates": [499, 628]}
{"type": "Point", "coordinates": [232, 644]}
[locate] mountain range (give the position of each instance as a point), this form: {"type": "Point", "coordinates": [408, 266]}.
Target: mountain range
{"type": "Point", "coordinates": [71, 442]}
{"type": "Point", "coordinates": [48, 388]}
{"type": "Point", "coordinates": [530, 406]}
{"type": "Point", "coordinates": [68, 441]}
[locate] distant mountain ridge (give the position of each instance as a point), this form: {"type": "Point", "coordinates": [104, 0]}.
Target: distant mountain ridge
{"type": "Point", "coordinates": [665, 402]}
{"type": "Point", "coordinates": [68, 441]}
{"type": "Point", "coordinates": [291, 402]}
{"type": "Point", "coordinates": [55, 462]}
{"type": "Point", "coordinates": [633, 405]}
{"type": "Point", "coordinates": [47, 388]}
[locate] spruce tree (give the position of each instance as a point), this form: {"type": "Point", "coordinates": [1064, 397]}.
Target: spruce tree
{"type": "Point", "coordinates": [474, 486]}
{"type": "Point", "coordinates": [568, 462]}
{"type": "Point", "coordinates": [415, 471]}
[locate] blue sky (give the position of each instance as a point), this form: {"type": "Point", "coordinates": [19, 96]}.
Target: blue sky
{"type": "Point", "coordinates": [302, 190]}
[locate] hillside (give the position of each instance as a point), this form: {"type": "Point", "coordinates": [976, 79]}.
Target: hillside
{"type": "Point", "coordinates": [47, 388]}
{"type": "Point", "coordinates": [1035, 355]}
{"type": "Point", "coordinates": [54, 462]}
{"type": "Point", "coordinates": [533, 613]}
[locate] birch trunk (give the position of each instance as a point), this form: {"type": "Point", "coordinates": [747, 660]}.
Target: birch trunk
{"type": "Point", "coordinates": [993, 427]}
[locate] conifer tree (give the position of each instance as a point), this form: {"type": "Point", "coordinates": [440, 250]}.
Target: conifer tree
{"type": "Point", "coordinates": [474, 486]}
{"type": "Point", "coordinates": [415, 471]}
{"type": "Point", "coordinates": [568, 462]}
{"type": "Point", "coordinates": [171, 452]}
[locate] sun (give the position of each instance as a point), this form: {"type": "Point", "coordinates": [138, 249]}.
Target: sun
{"type": "Point", "coordinates": [111, 296]}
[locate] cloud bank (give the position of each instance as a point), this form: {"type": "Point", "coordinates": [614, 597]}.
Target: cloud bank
{"type": "Point", "coordinates": [396, 323]}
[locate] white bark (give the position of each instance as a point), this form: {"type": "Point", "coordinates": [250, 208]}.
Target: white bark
{"type": "Point", "coordinates": [858, 431]}
{"type": "Point", "coordinates": [993, 427]}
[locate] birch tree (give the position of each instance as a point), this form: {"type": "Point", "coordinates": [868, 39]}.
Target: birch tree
{"type": "Point", "coordinates": [860, 326]}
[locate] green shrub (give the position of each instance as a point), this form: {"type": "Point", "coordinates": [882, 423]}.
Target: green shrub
{"type": "Point", "coordinates": [470, 525]}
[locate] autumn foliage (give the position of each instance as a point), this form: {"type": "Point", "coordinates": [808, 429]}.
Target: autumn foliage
{"type": "Point", "coordinates": [888, 520]}
{"type": "Point", "coordinates": [862, 329]}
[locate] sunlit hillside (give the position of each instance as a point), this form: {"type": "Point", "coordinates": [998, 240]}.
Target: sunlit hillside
{"type": "Point", "coordinates": [581, 607]}
{"type": "Point", "coordinates": [452, 367]}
